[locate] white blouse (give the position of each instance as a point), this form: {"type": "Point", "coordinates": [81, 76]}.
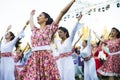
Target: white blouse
{"type": "Point", "coordinates": [8, 47]}
{"type": "Point", "coordinates": [87, 50]}
{"type": "Point", "coordinates": [66, 46]}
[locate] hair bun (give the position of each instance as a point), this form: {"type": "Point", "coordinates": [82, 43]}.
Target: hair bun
{"type": "Point", "coordinates": [50, 20]}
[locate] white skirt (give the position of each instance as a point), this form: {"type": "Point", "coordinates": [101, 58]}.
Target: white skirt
{"type": "Point", "coordinates": [90, 70]}
{"type": "Point", "coordinates": [67, 69]}
{"type": "Point", "coordinates": [7, 68]}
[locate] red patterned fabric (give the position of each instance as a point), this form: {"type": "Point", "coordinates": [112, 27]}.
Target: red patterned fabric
{"type": "Point", "coordinates": [111, 67]}
{"type": "Point", "coordinates": [97, 60]}
{"type": "Point", "coordinates": [62, 55]}
{"type": "Point", "coordinates": [41, 64]}
{"type": "Point", "coordinates": [17, 72]}
{"type": "Point", "coordinates": [7, 54]}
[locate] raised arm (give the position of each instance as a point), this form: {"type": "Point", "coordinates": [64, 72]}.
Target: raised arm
{"type": "Point", "coordinates": [77, 26]}
{"type": "Point", "coordinates": [31, 21]}
{"type": "Point", "coordinates": [26, 25]}
{"type": "Point", "coordinates": [20, 35]}
{"type": "Point", "coordinates": [89, 38]}
{"type": "Point", "coordinates": [102, 40]}
{"type": "Point", "coordinates": [8, 28]}
{"type": "Point", "coordinates": [77, 40]}
{"type": "Point", "coordinates": [63, 11]}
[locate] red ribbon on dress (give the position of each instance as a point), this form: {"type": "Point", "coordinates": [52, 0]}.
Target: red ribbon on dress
{"type": "Point", "coordinates": [62, 55]}
{"type": "Point", "coordinates": [6, 54]}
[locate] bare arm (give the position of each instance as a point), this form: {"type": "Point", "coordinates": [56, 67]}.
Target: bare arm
{"type": "Point", "coordinates": [63, 11]}
{"type": "Point", "coordinates": [26, 25]}
{"type": "Point", "coordinates": [8, 28]}
{"type": "Point", "coordinates": [77, 40]}
{"type": "Point", "coordinates": [31, 21]}
{"type": "Point", "coordinates": [102, 40]}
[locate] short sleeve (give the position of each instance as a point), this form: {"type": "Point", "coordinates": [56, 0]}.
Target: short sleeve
{"type": "Point", "coordinates": [53, 27]}
{"type": "Point", "coordinates": [34, 29]}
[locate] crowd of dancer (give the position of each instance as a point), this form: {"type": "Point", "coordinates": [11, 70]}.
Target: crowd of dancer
{"type": "Point", "coordinates": [50, 58]}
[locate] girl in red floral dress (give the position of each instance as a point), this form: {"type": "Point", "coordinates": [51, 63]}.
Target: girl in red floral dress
{"type": "Point", "coordinates": [95, 51]}
{"type": "Point", "coordinates": [111, 67]}
{"type": "Point", "coordinates": [41, 64]}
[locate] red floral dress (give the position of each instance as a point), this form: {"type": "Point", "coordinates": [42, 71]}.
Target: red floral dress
{"type": "Point", "coordinates": [111, 67]}
{"type": "Point", "coordinates": [97, 60]}
{"type": "Point", "coordinates": [41, 65]}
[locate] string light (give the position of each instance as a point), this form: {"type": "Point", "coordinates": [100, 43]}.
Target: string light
{"type": "Point", "coordinates": [108, 6]}
{"type": "Point", "coordinates": [103, 9]}
{"type": "Point", "coordinates": [118, 5]}
{"type": "Point", "coordinates": [87, 8]}
{"type": "Point", "coordinates": [94, 9]}
{"type": "Point", "coordinates": [99, 9]}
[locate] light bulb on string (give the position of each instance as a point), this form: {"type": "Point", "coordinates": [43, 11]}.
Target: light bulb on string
{"type": "Point", "coordinates": [118, 5]}
{"type": "Point", "coordinates": [108, 6]}
{"type": "Point", "coordinates": [103, 9]}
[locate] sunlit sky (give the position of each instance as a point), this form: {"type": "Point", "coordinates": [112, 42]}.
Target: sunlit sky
{"type": "Point", "coordinates": [16, 13]}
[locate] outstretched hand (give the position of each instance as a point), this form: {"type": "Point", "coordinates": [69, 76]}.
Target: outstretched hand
{"type": "Point", "coordinates": [94, 32]}
{"type": "Point", "coordinates": [79, 17]}
{"type": "Point", "coordinates": [32, 12]}
{"type": "Point", "coordinates": [8, 28]}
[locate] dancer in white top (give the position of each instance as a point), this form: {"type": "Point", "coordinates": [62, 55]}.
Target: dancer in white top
{"type": "Point", "coordinates": [89, 62]}
{"type": "Point", "coordinates": [7, 61]}
{"type": "Point", "coordinates": [64, 47]}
